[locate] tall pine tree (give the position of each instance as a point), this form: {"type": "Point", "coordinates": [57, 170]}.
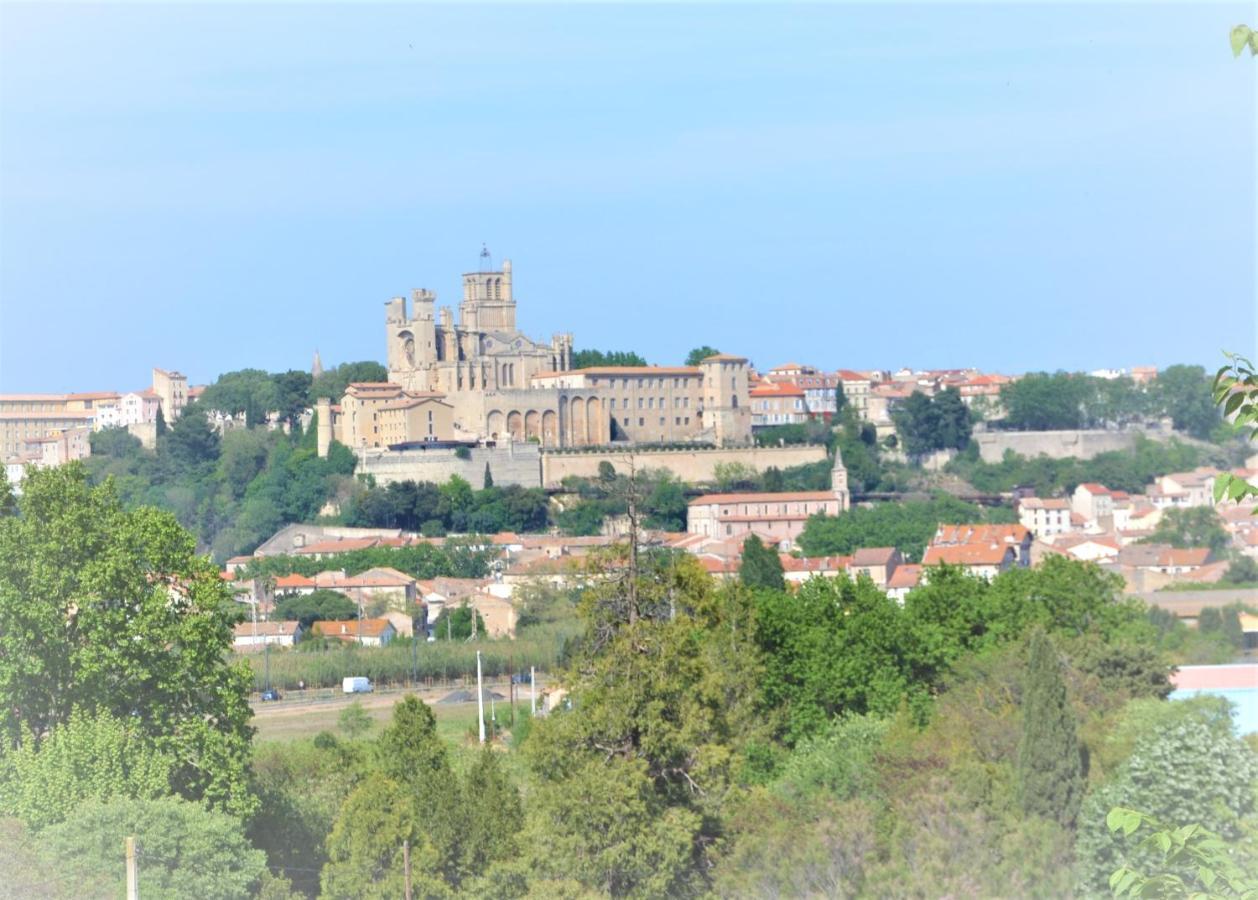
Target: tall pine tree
{"type": "Point", "coordinates": [761, 566]}
{"type": "Point", "coordinates": [1049, 776]}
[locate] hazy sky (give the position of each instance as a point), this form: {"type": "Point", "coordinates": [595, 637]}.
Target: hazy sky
{"type": "Point", "coordinates": [1014, 187]}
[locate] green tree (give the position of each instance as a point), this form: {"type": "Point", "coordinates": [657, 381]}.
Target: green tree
{"type": "Point", "coordinates": [116, 442]}
{"type": "Point", "coordinates": [1195, 526]}
{"type": "Point", "coordinates": [354, 720]}
{"type": "Point", "coordinates": [300, 786]}
{"type": "Point", "coordinates": [586, 359]}
{"type": "Point", "coordinates": [365, 846]}
{"type": "Point", "coordinates": [609, 829]}
{"type": "Point", "coordinates": [292, 395]}
{"type": "Point", "coordinates": [1042, 402]}
{"type": "Point", "coordinates": [760, 567]}
{"type": "Point", "coordinates": [130, 621]}
{"type": "Point", "coordinates": [1049, 773]}
{"type": "Point", "coordinates": [1183, 393]}
{"type": "Point", "coordinates": [491, 815]}
{"type": "Point", "coordinates": [1191, 861]}
{"type": "Point", "coordinates": [318, 606]}
{"type": "Point", "coordinates": [488, 481]}
{"type": "Point", "coordinates": [333, 382]}
{"type": "Point", "coordinates": [665, 505]}
{"type": "Point", "coordinates": [1195, 770]}
{"type": "Point", "coordinates": [834, 646]}
{"type": "Point", "coordinates": [184, 851]}
{"type": "Point", "coordinates": [88, 757]}
{"type": "Point", "coordinates": [191, 443]}
{"type": "Point", "coordinates": [699, 354]}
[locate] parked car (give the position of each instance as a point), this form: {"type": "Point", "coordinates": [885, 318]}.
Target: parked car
{"type": "Point", "coordinates": [271, 694]}
{"type": "Point", "coordinates": [521, 678]}
{"type": "Point", "coordinates": [356, 685]}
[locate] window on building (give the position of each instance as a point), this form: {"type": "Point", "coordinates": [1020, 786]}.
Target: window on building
{"type": "Point", "coordinates": [641, 421]}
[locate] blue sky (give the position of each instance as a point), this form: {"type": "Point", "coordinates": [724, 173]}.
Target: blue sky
{"type": "Point", "coordinates": [1014, 187]}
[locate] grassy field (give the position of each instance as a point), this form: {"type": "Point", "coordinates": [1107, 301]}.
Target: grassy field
{"type": "Point", "coordinates": [455, 721]}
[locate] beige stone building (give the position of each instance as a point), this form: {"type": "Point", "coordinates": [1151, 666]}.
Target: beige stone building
{"type": "Point", "coordinates": [779, 516]}
{"type": "Point", "coordinates": [382, 414]}
{"type": "Point", "coordinates": [501, 385]}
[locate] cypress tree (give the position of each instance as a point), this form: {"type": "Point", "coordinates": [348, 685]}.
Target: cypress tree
{"type": "Point", "coordinates": [1049, 774]}
{"type": "Point", "coordinates": [489, 478]}
{"type": "Point", "coordinates": [760, 567]}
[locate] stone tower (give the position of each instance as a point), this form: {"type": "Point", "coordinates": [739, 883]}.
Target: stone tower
{"type": "Point", "coordinates": [838, 482]}
{"type": "Point", "coordinates": [726, 399]}
{"type": "Point", "coordinates": [411, 340]}
{"type": "Point", "coordinates": [487, 301]}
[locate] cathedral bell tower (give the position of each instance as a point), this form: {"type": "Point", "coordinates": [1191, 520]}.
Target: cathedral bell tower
{"type": "Point", "coordinates": [488, 304]}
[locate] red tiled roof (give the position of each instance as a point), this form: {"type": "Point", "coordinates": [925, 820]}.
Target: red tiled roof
{"type": "Point", "coordinates": [873, 556]}
{"type": "Point", "coordinates": [788, 497]}
{"type": "Point", "coordinates": [981, 534]}
{"type": "Point", "coordinates": [777, 389]}
{"type": "Point", "coordinates": [906, 576]}
{"type": "Point", "coordinates": [967, 555]}
{"type": "Point", "coordinates": [293, 581]}
{"type": "Point", "coordinates": [625, 371]}
{"type": "Point", "coordinates": [348, 629]}
{"type": "Point", "coordinates": [343, 545]}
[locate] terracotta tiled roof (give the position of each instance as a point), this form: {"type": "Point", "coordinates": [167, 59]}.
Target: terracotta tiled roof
{"type": "Point", "coordinates": [873, 556]}
{"type": "Point", "coordinates": [981, 534]}
{"type": "Point", "coordinates": [905, 577]}
{"type": "Point", "coordinates": [625, 371]}
{"type": "Point", "coordinates": [348, 629]}
{"type": "Point", "coordinates": [796, 496]}
{"type": "Point", "coordinates": [1044, 503]}
{"type": "Point", "coordinates": [344, 545]}
{"type": "Point", "coordinates": [293, 581]}
{"type": "Point", "coordinates": [777, 389]}
{"type": "Point", "coordinates": [265, 629]}
{"type": "Point", "coordinates": [967, 555]}
{"type": "Point", "coordinates": [814, 563]}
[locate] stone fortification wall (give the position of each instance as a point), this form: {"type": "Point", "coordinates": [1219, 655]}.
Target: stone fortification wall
{"type": "Point", "coordinates": [1060, 444]}
{"type": "Point", "coordinates": [693, 466]}
{"type": "Point", "coordinates": [510, 464]}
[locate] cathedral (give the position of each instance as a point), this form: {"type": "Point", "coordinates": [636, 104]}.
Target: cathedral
{"type": "Point", "coordinates": [482, 379]}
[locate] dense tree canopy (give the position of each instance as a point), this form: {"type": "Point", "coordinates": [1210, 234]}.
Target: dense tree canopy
{"type": "Point", "coordinates": [1196, 526]}
{"type": "Point", "coordinates": [107, 610]}
{"type": "Point", "coordinates": [587, 359]}
{"type": "Point", "coordinates": [926, 424]}
{"type": "Point", "coordinates": [699, 354]}
{"type": "Point", "coordinates": [907, 526]}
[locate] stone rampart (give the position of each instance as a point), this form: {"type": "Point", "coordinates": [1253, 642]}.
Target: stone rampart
{"type": "Point", "coordinates": [1060, 444]}
{"type": "Point", "coordinates": [510, 464]}
{"type": "Point", "coordinates": [689, 465]}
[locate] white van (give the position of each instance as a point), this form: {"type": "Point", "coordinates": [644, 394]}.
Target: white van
{"type": "Point", "coordinates": [358, 685]}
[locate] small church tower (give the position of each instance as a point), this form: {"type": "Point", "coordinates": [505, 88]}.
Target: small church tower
{"type": "Point", "coordinates": [316, 368]}
{"type": "Point", "coordinates": [838, 482]}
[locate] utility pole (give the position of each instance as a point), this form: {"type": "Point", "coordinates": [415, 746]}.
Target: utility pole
{"type": "Point", "coordinates": [414, 651]}
{"type": "Point", "coordinates": [133, 876]}
{"type": "Point", "coordinates": [532, 690]}
{"type": "Point", "coordinates": [406, 866]}
{"type": "Point", "coordinates": [480, 700]}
